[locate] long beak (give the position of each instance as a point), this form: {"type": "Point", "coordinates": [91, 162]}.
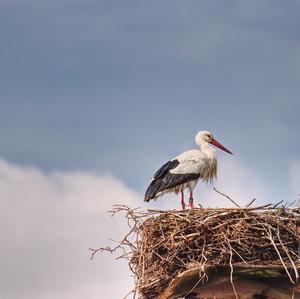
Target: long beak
{"type": "Point", "coordinates": [219, 145]}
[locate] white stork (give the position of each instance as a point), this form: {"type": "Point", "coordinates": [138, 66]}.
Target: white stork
{"type": "Point", "coordinates": [184, 171]}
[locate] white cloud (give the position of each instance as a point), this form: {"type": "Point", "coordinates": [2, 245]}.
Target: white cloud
{"type": "Point", "coordinates": [47, 223]}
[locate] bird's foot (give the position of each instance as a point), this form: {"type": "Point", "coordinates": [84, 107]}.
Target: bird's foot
{"type": "Point", "coordinates": [183, 205]}
{"type": "Point", "coordinates": [200, 206]}
{"type": "Point", "coordinates": [191, 203]}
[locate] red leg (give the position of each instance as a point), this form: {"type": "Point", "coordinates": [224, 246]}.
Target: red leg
{"type": "Point", "coordinates": [182, 200]}
{"type": "Point", "coordinates": [191, 200]}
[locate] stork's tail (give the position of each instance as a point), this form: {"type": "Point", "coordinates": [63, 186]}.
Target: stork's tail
{"type": "Point", "coordinates": [152, 190]}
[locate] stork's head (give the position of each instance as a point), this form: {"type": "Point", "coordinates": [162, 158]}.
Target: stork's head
{"type": "Point", "coordinates": [207, 137]}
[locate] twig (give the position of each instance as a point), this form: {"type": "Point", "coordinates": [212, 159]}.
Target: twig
{"type": "Point", "coordinates": [288, 255]}
{"type": "Point", "coordinates": [226, 197]}
{"type": "Point", "coordinates": [231, 270]}
{"type": "Point", "coordinates": [279, 255]}
{"type": "Point", "coordinates": [251, 202]}
{"type": "Point", "coordinates": [101, 249]}
{"type": "Point", "coordinates": [276, 205]}
{"type": "Point", "coordinates": [289, 205]}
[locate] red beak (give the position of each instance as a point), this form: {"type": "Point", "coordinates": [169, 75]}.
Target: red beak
{"type": "Point", "coordinates": [219, 145]}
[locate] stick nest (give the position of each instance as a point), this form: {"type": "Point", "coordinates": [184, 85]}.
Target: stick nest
{"type": "Point", "coordinates": [162, 244]}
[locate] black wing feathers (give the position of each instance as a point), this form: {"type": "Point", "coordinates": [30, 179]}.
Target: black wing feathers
{"type": "Point", "coordinates": [165, 168]}
{"type": "Point", "coordinates": [164, 180]}
{"type": "Point", "coordinates": [157, 179]}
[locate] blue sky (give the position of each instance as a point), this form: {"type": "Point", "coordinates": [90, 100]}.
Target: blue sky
{"type": "Point", "coordinates": [105, 85]}
{"type": "Point", "coordinates": [119, 87]}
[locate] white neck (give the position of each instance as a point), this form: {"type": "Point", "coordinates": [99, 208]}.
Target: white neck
{"type": "Point", "coordinates": [207, 149]}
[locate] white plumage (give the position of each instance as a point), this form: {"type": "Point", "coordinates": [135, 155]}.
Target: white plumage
{"type": "Point", "coordinates": [184, 171]}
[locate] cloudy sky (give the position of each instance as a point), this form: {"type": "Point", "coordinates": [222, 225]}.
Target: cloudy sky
{"type": "Point", "coordinates": [96, 95]}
